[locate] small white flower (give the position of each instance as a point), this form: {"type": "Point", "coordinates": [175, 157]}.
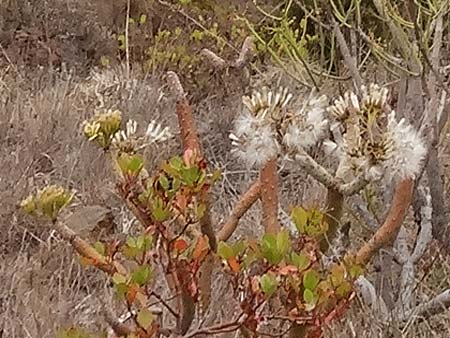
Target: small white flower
{"type": "Point", "coordinates": [156, 133]}
{"type": "Point", "coordinates": [374, 95]}
{"type": "Point", "coordinates": [265, 103]}
{"type": "Point", "coordinates": [131, 127]}
{"type": "Point", "coordinates": [128, 140]}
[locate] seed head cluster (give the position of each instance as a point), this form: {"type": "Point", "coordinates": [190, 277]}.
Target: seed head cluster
{"type": "Point", "coordinates": [269, 126]}
{"type": "Point", "coordinates": [368, 138]}
{"type": "Point", "coordinates": [373, 142]}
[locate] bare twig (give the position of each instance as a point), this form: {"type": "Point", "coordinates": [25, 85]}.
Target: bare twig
{"type": "Point", "coordinates": [370, 297]}
{"type": "Point", "coordinates": [241, 207]}
{"type": "Point", "coordinates": [360, 207]}
{"type": "Point", "coordinates": [323, 176]}
{"type": "Point", "coordinates": [425, 234]}
{"type": "Point", "coordinates": [230, 326]}
{"type": "Point", "coordinates": [245, 54]}
{"type": "Point", "coordinates": [407, 275]}
{"type": "Point", "coordinates": [118, 327]}
{"type": "Point", "coordinates": [349, 60]}
{"type": "Point", "coordinates": [127, 39]}
{"type": "Point", "coordinates": [401, 39]}
{"type": "Point", "coordinates": [437, 305]}
{"type": "Point", "coordinates": [335, 202]}
{"type": "Point", "coordinates": [243, 58]}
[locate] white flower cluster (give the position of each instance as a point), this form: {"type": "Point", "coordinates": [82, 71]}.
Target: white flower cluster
{"type": "Point", "coordinates": [268, 126]}
{"type": "Point", "coordinates": [373, 142]}
{"type": "Point", "coordinates": [127, 140]}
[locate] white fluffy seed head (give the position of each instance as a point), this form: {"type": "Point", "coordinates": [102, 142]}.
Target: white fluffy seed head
{"type": "Point", "coordinates": [253, 140]}
{"type": "Point", "coordinates": [374, 143]}
{"type": "Point", "coordinates": [268, 125]}
{"type": "Point", "coordinates": [307, 126]}
{"type": "Point", "coordinates": [408, 149]}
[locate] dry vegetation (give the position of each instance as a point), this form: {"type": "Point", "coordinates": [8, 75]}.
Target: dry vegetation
{"type": "Point", "coordinates": [51, 80]}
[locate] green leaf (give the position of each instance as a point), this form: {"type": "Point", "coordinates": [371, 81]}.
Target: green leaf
{"type": "Point", "coordinates": [143, 19]}
{"type": "Point", "coordinates": [249, 259]}
{"type": "Point", "coordinates": [142, 275]}
{"type": "Point", "coordinates": [311, 279]}
{"type": "Point", "coordinates": [337, 274]}
{"type": "Point", "coordinates": [300, 218]}
{"type": "Point", "coordinates": [131, 242]}
{"type": "Point", "coordinates": [144, 243]}
{"type": "Point", "coordinates": [301, 261]}
{"type": "Point", "coordinates": [100, 248]}
{"type": "Point", "coordinates": [190, 176]}
{"type": "Point", "coordinates": [269, 249]}
{"type": "Point", "coordinates": [176, 163]}
{"type": "Point", "coordinates": [268, 284]}
{"type": "Point", "coordinates": [216, 175]}
{"type": "Point", "coordinates": [283, 243]}
{"type": "Point", "coordinates": [164, 181]}
{"type": "Point", "coordinates": [310, 298]}
{"type": "Point", "coordinates": [130, 164]}
{"type": "Point", "coordinates": [73, 333]}
{"type": "Point", "coordinates": [160, 211]}
{"type": "Point", "coordinates": [225, 251]}
{"type": "Point", "coordinates": [121, 290]}
{"type": "Point", "coordinates": [239, 247]}
{"type": "Point", "coordinates": [118, 278]}
{"type": "Point", "coordinates": [344, 289]}
{"type": "Point", "coordinates": [136, 164]}
{"type": "Point", "coordinates": [176, 184]}
{"type": "Point", "coordinates": [130, 252]}
{"type": "Point", "coordinates": [200, 210]}
{"type": "Point", "coordinates": [145, 318]}
{"type": "Point", "coordinates": [356, 271]}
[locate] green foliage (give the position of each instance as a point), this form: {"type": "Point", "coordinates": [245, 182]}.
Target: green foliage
{"type": "Point", "coordinates": [102, 127]}
{"type": "Point", "coordinates": [309, 222]}
{"type": "Point", "coordinates": [47, 202]}
{"type": "Point", "coordinates": [296, 270]}
{"type": "Point", "coordinates": [79, 333]}
{"type": "Point", "coordinates": [268, 284]}
{"type": "Point", "coordinates": [130, 165]}
{"type": "Point", "coordinates": [145, 318]}
{"type": "Point", "coordinates": [274, 248]}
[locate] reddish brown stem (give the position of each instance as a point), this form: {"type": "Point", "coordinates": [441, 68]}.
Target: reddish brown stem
{"type": "Point", "coordinates": [190, 141]}
{"type": "Point", "coordinates": [269, 196]}
{"type": "Point", "coordinates": [241, 207]}
{"type": "Point", "coordinates": [186, 122]}
{"type": "Point", "coordinates": [391, 226]}
{"type": "Point", "coordinates": [87, 251]}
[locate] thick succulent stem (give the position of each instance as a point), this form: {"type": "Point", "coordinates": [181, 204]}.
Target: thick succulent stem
{"type": "Point", "coordinates": [190, 141]}
{"type": "Point", "coordinates": [241, 207]}
{"type": "Point", "coordinates": [391, 226]}
{"type": "Point", "coordinates": [269, 196]}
